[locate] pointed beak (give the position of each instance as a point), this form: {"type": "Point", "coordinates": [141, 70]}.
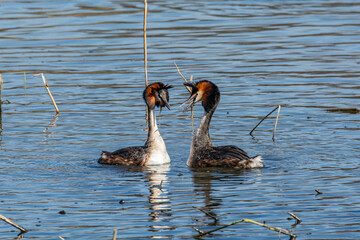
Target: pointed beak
{"type": "Point", "coordinates": [191, 100]}
{"type": "Point", "coordinates": [165, 103]}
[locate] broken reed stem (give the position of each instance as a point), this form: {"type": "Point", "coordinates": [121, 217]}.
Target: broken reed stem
{"type": "Point", "coordinates": [145, 46]}
{"type": "Point", "coordinates": [24, 80]}
{"type": "Point", "coordinates": [318, 192]}
{"type": "Point", "coordinates": [263, 120]}
{"type": "Point", "coordinates": [5, 219]}
{"type": "Point", "coordinates": [187, 87]}
{"type": "Point", "coordinates": [294, 216]}
{"type": "Point", "coordinates": [114, 235]}
{"type": "Point", "coordinates": [208, 214]}
{"type": "Point", "coordinates": [48, 90]}
{"type": "Point", "coordinates": [276, 229]}
{"type": "Point", "coordinates": [1, 84]}
{"type": "Point", "coordinates": [277, 117]}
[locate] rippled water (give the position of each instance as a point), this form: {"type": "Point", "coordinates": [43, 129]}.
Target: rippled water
{"type": "Point", "coordinates": [303, 55]}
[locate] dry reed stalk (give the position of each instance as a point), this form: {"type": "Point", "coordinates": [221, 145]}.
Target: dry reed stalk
{"type": "Point", "coordinates": [114, 235]}
{"type": "Point", "coordinates": [208, 214]}
{"type": "Point", "coordinates": [48, 90]}
{"type": "Point", "coordinates": [187, 87]}
{"type": "Point", "coordinates": [276, 229]}
{"type": "Point", "coordinates": [5, 219]}
{"type": "Point", "coordinates": [298, 220]}
{"type": "Point", "coordinates": [1, 84]}
{"type": "Point", "coordinates": [277, 117]}
{"type": "Point", "coordinates": [318, 192]}
{"type": "Point", "coordinates": [264, 119]}
{"type": "Point", "coordinates": [24, 80]}
{"type": "Point", "coordinates": [61, 238]}
{"type": "Point", "coordinates": [145, 45]}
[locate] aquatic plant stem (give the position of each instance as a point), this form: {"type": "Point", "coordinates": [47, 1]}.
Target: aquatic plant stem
{"type": "Point", "coordinates": [187, 87]}
{"type": "Point", "coordinates": [277, 117]}
{"type": "Point", "coordinates": [298, 220]}
{"type": "Point", "coordinates": [1, 84]}
{"type": "Point", "coordinates": [263, 120]}
{"type": "Point", "coordinates": [114, 235]}
{"type": "Point", "coordinates": [5, 219]}
{"type": "Point", "coordinates": [24, 80]}
{"type": "Point", "coordinates": [208, 214]}
{"type": "Point", "coordinates": [48, 90]}
{"type": "Point", "coordinates": [276, 229]}
{"type": "Point", "coordinates": [145, 45]}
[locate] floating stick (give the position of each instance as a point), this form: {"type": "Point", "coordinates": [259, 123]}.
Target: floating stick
{"type": "Point", "coordinates": [48, 90]}
{"type": "Point", "coordinates": [145, 47]}
{"type": "Point", "coordinates": [61, 238]}
{"type": "Point", "coordinates": [208, 214]}
{"type": "Point", "coordinates": [318, 192]}
{"type": "Point", "coordinates": [276, 229]}
{"type": "Point", "coordinates": [277, 116]}
{"type": "Point", "coordinates": [263, 119]}
{"type": "Point", "coordinates": [5, 219]}
{"type": "Point", "coordinates": [298, 220]}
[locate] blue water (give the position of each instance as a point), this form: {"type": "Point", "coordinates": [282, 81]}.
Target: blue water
{"type": "Point", "coordinates": [300, 55]}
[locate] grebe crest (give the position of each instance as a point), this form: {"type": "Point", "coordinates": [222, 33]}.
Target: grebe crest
{"type": "Point", "coordinates": [154, 151]}
{"type": "Point", "coordinates": [202, 152]}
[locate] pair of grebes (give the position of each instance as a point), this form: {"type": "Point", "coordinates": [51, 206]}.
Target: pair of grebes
{"type": "Point", "coordinates": [202, 152]}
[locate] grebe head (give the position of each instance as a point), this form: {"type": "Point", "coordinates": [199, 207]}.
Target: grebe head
{"type": "Point", "coordinates": [205, 91]}
{"type": "Point", "coordinates": [156, 94]}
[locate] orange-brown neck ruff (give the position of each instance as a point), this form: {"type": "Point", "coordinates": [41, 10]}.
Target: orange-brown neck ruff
{"type": "Point", "coordinates": [210, 95]}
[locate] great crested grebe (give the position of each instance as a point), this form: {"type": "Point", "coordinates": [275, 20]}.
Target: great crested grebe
{"type": "Point", "coordinates": [154, 152]}
{"type": "Point", "coordinates": [202, 152]}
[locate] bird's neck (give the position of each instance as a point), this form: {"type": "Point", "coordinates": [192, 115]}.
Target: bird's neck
{"type": "Point", "coordinates": [153, 131]}
{"type": "Point", "coordinates": [202, 136]}
{"type": "Point", "coordinates": [157, 153]}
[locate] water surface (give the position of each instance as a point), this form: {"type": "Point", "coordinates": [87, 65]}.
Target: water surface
{"type": "Point", "coordinates": [300, 55]}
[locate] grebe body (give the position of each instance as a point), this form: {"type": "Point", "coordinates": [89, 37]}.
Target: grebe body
{"type": "Point", "coordinates": [202, 152]}
{"type": "Point", "coordinates": [154, 151]}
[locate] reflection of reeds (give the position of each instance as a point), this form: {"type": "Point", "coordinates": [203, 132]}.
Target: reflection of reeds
{"type": "Point", "coordinates": [48, 90]}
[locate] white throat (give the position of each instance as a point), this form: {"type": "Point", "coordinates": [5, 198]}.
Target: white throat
{"type": "Point", "coordinates": [158, 154]}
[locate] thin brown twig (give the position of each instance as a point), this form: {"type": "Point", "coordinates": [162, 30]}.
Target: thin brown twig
{"type": "Point", "coordinates": [263, 119]}
{"type": "Point", "coordinates": [187, 87]}
{"type": "Point", "coordinates": [145, 45]}
{"type": "Point", "coordinates": [207, 213]}
{"type": "Point", "coordinates": [5, 219]}
{"type": "Point", "coordinates": [48, 90]}
{"type": "Point", "coordinates": [318, 192]}
{"type": "Point", "coordinates": [294, 216]}
{"type": "Point", "coordinates": [1, 85]}
{"type": "Point", "coordinates": [277, 117]}
{"type": "Point", "coordinates": [24, 80]}
{"type": "Point", "coordinates": [280, 230]}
